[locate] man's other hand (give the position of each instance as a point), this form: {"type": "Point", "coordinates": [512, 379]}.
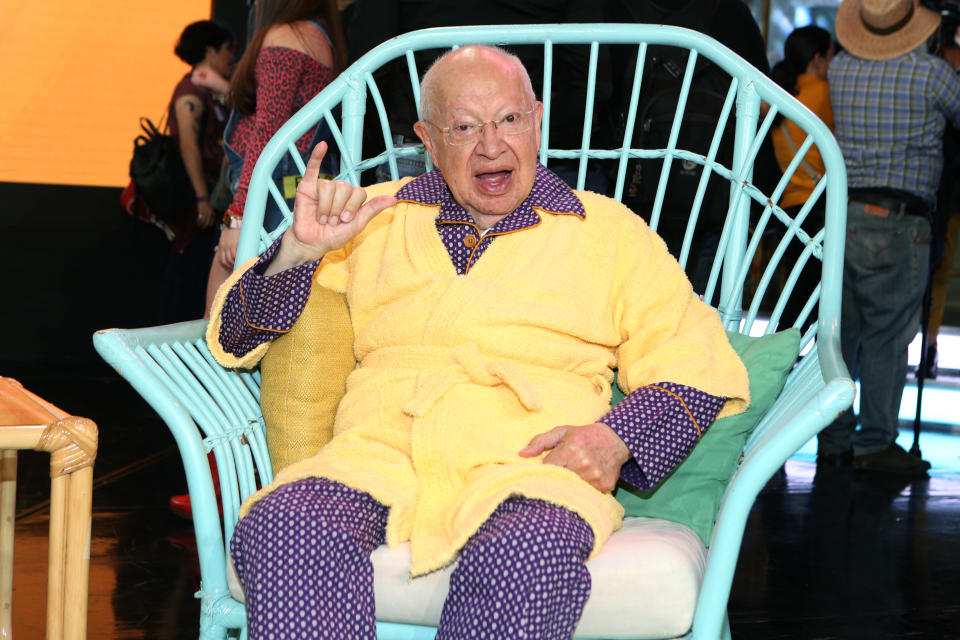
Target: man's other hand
{"type": "Point", "coordinates": [594, 452]}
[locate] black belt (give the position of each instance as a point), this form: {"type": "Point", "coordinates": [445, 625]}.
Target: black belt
{"type": "Point", "coordinates": [891, 201]}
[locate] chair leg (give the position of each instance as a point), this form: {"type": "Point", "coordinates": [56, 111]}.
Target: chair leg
{"type": "Point", "coordinates": [213, 632]}
{"type": "Point", "coordinates": [394, 631]}
{"type": "Point", "coordinates": [214, 613]}
{"type": "Point", "coordinates": [725, 629]}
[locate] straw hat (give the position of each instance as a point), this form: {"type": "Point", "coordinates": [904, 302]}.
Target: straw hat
{"type": "Point", "coordinates": [883, 29]}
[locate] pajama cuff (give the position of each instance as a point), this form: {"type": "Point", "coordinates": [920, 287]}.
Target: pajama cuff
{"type": "Point", "coordinates": [660, 423]}
{"type": "Point", "coordinates": [260, 308]}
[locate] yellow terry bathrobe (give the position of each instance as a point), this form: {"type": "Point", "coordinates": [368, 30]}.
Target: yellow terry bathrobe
{"type": "Point", "coordinates": [456, 373]}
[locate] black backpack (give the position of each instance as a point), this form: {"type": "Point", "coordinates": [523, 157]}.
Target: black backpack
{"type": "Point", "coordinates": [663, 74]}
{"type": "Point", "coordinates": [158, 173]}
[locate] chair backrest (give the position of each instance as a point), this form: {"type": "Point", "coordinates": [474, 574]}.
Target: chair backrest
{"type": "Point", "coordinates": [735, 287]}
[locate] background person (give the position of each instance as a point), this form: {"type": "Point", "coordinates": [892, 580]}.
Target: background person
{"type": "Point", "coordinates": [196, 125]}
{"type": "Point", "coordinates": [296, 51]}
{"type": "Point", "coordinates": [891, 100]}
{"type": "Point", "coordinates": [730, 23]}
{"type": "Point", "coordinates": [803, 72]}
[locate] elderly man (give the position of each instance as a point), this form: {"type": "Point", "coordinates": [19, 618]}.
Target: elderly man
{"type": "Point", "coordinates": [489, 304]}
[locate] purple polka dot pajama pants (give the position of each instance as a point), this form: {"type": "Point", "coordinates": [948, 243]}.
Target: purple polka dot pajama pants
{"type": "Point", "coordinates": [303, 557]}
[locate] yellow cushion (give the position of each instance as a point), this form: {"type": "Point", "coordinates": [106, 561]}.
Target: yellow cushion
{"type": "Point", "coordinates": [303, 377]}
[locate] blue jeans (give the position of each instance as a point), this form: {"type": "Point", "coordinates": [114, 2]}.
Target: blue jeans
{"type": "Point", "coordinates": [884, 276]}
{"type": "Point", "coordinates": [406, 166]}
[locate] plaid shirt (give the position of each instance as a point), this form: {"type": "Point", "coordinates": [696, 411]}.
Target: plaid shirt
{"type": "Point", "coordinates": [890, 116]}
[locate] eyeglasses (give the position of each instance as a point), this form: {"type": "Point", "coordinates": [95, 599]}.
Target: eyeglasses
{"type": "Point", "coordinates": [461, 133]}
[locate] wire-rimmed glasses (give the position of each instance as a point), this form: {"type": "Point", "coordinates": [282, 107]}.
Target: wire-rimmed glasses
{"type": "Point", "coordinates": [465, 132]}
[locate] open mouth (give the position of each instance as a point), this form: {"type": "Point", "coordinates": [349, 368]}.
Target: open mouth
{"type": "Point", "coordinates": [493, 182]}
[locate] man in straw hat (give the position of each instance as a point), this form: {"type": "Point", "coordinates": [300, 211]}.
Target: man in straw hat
{"type": "Point", "coordinates": [890, 99]}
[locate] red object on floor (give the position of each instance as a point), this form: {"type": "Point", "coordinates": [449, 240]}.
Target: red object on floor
{"type": "Point", "coordinates": [180, 505]}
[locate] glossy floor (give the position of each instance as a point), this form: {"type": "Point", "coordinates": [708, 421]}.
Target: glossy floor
{"type": "Point", "coordinates": [827, 553]}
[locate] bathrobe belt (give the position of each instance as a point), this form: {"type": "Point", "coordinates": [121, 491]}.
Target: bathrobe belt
{"type": "Point", "coordinates": [471, 366]}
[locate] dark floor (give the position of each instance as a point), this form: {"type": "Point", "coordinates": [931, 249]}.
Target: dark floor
{"type": "Point", "coordinates": [832, 554]}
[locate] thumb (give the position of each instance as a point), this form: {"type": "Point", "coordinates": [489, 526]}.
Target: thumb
{"type": "Point", "coordinates": [373, 206]}
{"type": "Point", "coordinates": [544, 441]}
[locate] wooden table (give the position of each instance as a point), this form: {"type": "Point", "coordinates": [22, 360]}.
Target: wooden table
{"type": "Point", "coordinates": [29, 422]}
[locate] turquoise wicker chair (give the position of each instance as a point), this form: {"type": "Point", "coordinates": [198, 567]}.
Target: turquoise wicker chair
{"type": "Point", "coordinates": [209, 408]}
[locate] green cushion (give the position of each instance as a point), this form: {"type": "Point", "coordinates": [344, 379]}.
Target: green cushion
{"type": "Point", "coordinates": [691, 494]}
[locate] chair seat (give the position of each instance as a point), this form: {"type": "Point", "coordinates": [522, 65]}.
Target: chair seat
{"type": "Point", "coordinates": [646, 579]}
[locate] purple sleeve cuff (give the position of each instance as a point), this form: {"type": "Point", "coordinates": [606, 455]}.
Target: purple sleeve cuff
{"type": "Point", "coordinates": [660, 424]}
{"type": "Point", "coordinates": [260, 308]}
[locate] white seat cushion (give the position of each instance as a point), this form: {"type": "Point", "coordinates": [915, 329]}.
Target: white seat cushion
{"type": "Point", "coordinates": [646, 579]}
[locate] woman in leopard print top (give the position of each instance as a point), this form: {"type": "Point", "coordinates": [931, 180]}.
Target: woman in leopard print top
{"type": "Point", "coordinates": [296, 51]}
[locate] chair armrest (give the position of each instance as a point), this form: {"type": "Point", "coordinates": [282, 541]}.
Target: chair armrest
{"type": "Point", "coordinates": [816, 392]}
{"type": "Point", "coordinates": [206, 408]}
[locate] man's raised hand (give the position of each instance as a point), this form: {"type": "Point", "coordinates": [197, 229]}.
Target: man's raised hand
{"type": "Point", "coordinates": [326, 215]}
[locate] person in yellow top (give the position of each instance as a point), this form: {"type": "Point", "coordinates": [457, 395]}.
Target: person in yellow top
{"type": "Point", "coordinates": [803, 73]}
{"type": "Point", "coordinates": [489, 304]}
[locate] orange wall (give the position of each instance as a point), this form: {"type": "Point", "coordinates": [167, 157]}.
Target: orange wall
{"type": "Point", "coordinates": [74, 79]}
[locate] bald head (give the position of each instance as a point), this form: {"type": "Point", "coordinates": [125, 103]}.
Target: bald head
{"type": "Point", "coordinates": [469, 60]}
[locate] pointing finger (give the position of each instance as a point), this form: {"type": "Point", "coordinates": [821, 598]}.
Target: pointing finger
{"type": "Point", "coordinates": [314, 162]}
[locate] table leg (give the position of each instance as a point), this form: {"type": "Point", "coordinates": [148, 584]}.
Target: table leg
{"type": "Point", "coordinates": [59, 508]}
{"type": "Point", "coordinates": [72, 444]}
{"type": "Point", "coordinates": [77, 574]}
{"type": "Point", "coordinates": [8, 504]}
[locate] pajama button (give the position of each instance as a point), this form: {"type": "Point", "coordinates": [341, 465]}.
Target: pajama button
{"type": "Point", "coordinates": [470, 241]}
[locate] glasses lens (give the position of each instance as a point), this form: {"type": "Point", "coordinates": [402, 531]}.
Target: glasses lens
{"type": "Point", "coordinates": [462, 133]}
{"type": "Point", "coordinates": [514, 123]}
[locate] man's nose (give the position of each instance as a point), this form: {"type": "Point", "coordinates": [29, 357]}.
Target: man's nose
{"type": "Point", "coordinates": [490, 141]}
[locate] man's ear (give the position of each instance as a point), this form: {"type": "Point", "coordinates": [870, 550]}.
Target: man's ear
{"type": "Point", "coordinates": [423, 132]}
{"type": "Point", "coordinates": [538, 122]}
